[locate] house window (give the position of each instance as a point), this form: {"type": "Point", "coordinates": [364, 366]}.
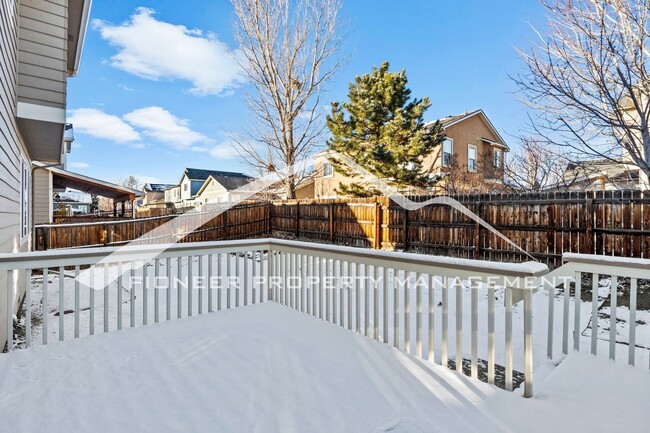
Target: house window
{"type": "Point", "coordinates": [184, 187]}
{"type": "Point", "coordinates": [471, 157]}
{"type": "Point", "coordinates": [447, 151]}
{"type": "Point", "coordinates": [25, 181]}
{"type": "Point", "coordinates": [497, 158]}
{"type": "Point", "coordinates": [328, 170]}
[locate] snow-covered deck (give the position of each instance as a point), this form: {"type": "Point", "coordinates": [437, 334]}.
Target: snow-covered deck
{"type": "Point", "coordinates": [269, 368]}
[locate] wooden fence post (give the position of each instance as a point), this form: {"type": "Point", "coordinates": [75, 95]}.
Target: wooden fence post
{"type": "Point", "coordinates": [331, 222]}
{"type": "Point", "coordinates": [226, 224]}
{"type": "Point", "coordinates": [477, 231]}
{"type": "Point", "coordinates": [297, 219]}
{"type": "Point", "coordinates": [589, 247]}
{"type": "Point", "coordinates": [105, 234]}
{"type": "Point", "coordinates": [378, 228]}
{"type": "Point", "coordinates": [405, 229]}
{"type": "Point", "coordinates": [41, 238]}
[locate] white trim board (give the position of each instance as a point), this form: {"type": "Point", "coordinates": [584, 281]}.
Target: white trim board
{"type": "Point", "coordinates": [41, 113]}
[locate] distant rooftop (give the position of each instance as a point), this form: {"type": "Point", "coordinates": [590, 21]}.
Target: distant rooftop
{"type": "Point", "coordinates": [228, 179]}
{"type": "Point", "coordinates": [202, 174]}
{"type": "Point", "coordinates": [157, 187]}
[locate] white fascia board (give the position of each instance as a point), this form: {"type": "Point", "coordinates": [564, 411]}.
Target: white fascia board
{"type": "Point", "coordinates": [81, 37]}
{"type": "Point", "coordinates": [41, 113]}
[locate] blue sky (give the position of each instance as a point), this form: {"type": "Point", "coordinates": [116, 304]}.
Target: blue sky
{"type": "Point", "coordinates": [153, 97]}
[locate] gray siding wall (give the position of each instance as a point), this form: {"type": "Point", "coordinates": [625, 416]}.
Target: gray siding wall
{"type": "Point", "coordinates": [11, 149]}
{"type": "Point", "coordinates": [42, 205]}
{"type": "Point", "coordinates": [42, 54]}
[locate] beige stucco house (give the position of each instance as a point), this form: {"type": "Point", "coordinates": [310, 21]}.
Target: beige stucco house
{"type": "Point", "coordinates": [471, 139]}
{"type": "Point", "coordinates": [154, 194]}
{"type": "Point", "coordinates": [41, 43]}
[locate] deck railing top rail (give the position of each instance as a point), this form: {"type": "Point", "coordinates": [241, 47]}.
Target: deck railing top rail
{"type": "Point", "coordinates": [414, 260]}
{"type": "Point", "coordinates": [466, 267]}
{"type": "Point", "coordinates": [80, 256]}
{"type": "Point", "coordinates": [627, 262]}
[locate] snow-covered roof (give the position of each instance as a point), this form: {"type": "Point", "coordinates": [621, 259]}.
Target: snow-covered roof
{"type": "Point", "coordinates": [157, 187]}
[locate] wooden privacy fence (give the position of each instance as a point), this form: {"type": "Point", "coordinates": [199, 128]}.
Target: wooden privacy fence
{"type": "Point", "coordinates": [154, 212]}
{"type": "Point", "coordinates": [545, 225]}
{"type": "Point", "coordinates": [615, 223]}
{"type": "Point", "coordinates": [242, 221]}
{"type": "Point", "coordinates": [86, 219]}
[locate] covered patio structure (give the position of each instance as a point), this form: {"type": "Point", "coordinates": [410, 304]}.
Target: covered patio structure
{"type": "Point", "coordinates": [48, 180]}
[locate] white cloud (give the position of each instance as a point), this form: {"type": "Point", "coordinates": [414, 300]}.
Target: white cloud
{"type": "Point", "coordinates": [147, 179]}
{"type": "Point", "coordinates": [221, 151]}
{"type": "Point", "coordinates": [79, 165]}
{"type": "Point", "coordinates": [161, 125]}
{"type": "Point", "coordinates": [156, 50]}
{"type": "Point", "coordinates": [98, 124]}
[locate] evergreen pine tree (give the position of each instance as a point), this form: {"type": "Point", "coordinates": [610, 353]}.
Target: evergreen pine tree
{"type": "Point", "coordinates": [382, 129]}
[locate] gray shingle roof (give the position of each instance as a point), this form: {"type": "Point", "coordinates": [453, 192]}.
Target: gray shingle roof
{"type": "Point", "coordinates": [232, 182]}
{"type": "Point", "coordinates": [201, 174]}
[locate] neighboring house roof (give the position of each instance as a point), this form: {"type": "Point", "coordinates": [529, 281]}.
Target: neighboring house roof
{"type": "Point", "coordinates": [230, 183]}
{"type": "Point", "coordinates": [201, 174]}
{"type": "Point", "coordinates": [448, 121]}
{"type": "Point", "coordinates": [157, 187]}
{"type": "Point", "coordinates": [618, 169]}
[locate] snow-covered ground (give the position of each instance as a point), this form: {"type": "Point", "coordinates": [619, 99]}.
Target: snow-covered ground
{"type": "Point", "coordinates": [266, 368]}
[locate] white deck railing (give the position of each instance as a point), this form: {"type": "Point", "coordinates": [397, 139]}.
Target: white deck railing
{"type": "Point", "coordinates": [574, 321]}
{"type": "Point", "coordinates": [442, 309]}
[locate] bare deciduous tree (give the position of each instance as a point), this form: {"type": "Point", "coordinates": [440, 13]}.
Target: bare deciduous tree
{"type": "Point", "coordinates": [588, 79]}
{"type": "Point", "coordinates": [288, 52]}
{"type": "Point", "coordinates": [537, 166]}
{"type": "Point", "coordinates": [485, 178]}
{"type": "Point", "coordinates": [130, 182]}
